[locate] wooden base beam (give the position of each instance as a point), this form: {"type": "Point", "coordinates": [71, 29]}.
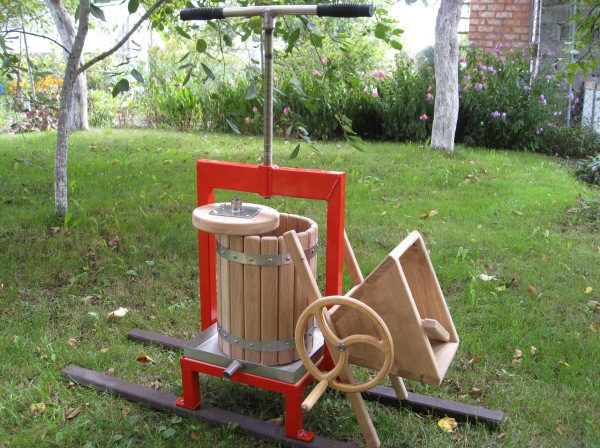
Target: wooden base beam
{"type": "Point", "coordinates": [165, 402]}
{"type": "Point", "coordinates": [382, 394]}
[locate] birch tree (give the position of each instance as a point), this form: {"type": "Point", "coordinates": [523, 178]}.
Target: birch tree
{"type": "Point", "coordinates": [446, 75]}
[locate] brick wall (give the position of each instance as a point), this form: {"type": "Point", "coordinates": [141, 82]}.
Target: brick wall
{"type": "Point", "coordinates": [504, 22]}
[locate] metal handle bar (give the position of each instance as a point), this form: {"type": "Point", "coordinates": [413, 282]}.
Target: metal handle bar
{"type": "Point", "coordinates": [322, 10]}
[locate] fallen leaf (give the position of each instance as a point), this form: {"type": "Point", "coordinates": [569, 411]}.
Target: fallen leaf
{"type": "Point", "coordinates": [55, 229]}
{"type": "Point", "coordinates": [560, 431]}
{"type": "Point", "coordinates": [594, 327]}
{"type": "Point", "coordinates": [447, 424]}
{"type": "Point", "coordinates": [594, 304]}
{"type": "Point", "coordinates": [156, 385]}
{"type": "Point", "coordinates": [103, 350]}
{"type": "Point", "coordinates": [517, 357]}
{"type": "Point", "coordinates": [486, 278]}
{"type": "Point", "coordinates": [533, 350]}
{"type": "Point", "coordinates": [429, 214]}
{"type": "Point", "coordinates": [517, 212]}
{"type": "Point", "coordinates": [111, 371]}
{"type": "Point", "coordinates": [121, 312]}
{"type": "Point", "coordinates": [475, 392]}
{"type": "Point", "coordinates": [588, 290]}
{"type": "Point", "coordinates": [532, 289]}
{"type": "Point", "coordinates": [72, 413]}
{"type": "Point", "coordinates": [564, 363]}
{"type": "Point", "coordinates": [114, 242]}
{"type": "Point", "coordinates": [72, 342]}
{"type": "Point", "coordinates": [194, 435]}
{"type": "Point", "coordinates": [276, 421]}
{"type": "Point", "coordinates": [37, 408]}
{"type": "Point", "coordinates": [501, 436]}
{"type": "Point", "coordinates": [145, 359]}
{"type": "Point", "coordinates": [125, 411]}
{"type": "Point", "coordinates": [71, 384]}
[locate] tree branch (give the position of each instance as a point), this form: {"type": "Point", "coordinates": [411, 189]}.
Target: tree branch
{"type": "Point", "coordinates": [119, 44]}
{"type": "Point", "coordinates": [38, 35]}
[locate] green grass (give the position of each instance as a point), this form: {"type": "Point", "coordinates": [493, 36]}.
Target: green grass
{"type": "Point", "coordinates": [128, 241]}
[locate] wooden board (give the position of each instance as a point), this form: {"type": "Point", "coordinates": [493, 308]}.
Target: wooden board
{"type": "Point", "coordinates": [300, 292]}
{"type": "Point", "coordinates": [285, 286]}
{"type": "Point", "coordinates": [269, 299]}
{"type": "Point", "coordinates": [389, 293]}
{"type": "Point", "coordinates": [252, 298]}
{"type": "Point", "coordinates": [219, 274]}
{"type": "Point", "coordinates": [236, 296]}
{"type": "Point", "coordinates": [225, 297]}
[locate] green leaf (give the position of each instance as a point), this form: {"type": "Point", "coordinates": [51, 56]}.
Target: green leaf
{"type": "Point", "coordinates": [201, 45]}
{"type": "Point", "coordinates": [121, 86]}
{"type": "Point", "coordinates": [182, 32]}
{"type": "Point", "coordinates": [295, 152]}
{"type": "Point", "coordinates": [317, 40]}
{"type": "Point", "coordinates": [250, 93]}
{"type": "Point", "coordinates": [137, 75]}
{"type": "Point", "coordinates": [97, 12]}
{"type": "Point", "coordinates": [188, 76]}
{"type": "Point", "coordinates": [381, 31]}
{"type": "Point", "coordinates": [169, 432]}
{"type": "Point", "coordinates": [232, 125]}
{"type": "Point", "coordinates": [133, 6]}
{"type": "Point", "coordinates": [185, 56]}
{"type": "Point", "coordinates": [292, 39]}
{"type": "Point", "coordinates": [227, 40]}
{"type": "Point", "coordinates": [396, 44]}
{"type": "Point", "coordinates": [208, 71]}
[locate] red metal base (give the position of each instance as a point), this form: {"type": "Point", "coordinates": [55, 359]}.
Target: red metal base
{"type": "Point", "coordinates": [293, 393]}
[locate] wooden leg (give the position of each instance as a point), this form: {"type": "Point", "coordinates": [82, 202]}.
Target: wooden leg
{"type": "Point", "coordinates": [399, 387]}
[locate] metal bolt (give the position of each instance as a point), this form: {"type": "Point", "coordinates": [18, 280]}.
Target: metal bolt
{"type": "Point", "coordinates": [236, 341]}
{"type": "Point", "coordinates": [288, 258]}
{"type": "Point", "coordinates": [341, 347]}
{"type": "Point", "coordinates": [235, 257]}
{"type": "Point", "coordinates": [269, 260]}
{"type": "Point", "coordinates": [251, 344]}
{"type": "Point", "coordinates": [251, 259]}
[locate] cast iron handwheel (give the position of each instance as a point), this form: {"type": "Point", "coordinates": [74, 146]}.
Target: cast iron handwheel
{"type": "Point", "coordinates": [384, 343]}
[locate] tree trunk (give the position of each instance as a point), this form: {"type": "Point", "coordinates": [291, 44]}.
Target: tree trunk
{"type": "Point", "coordinates": [78, 112]}
{"type": "Point", "coordinates": [66, 100]}
{"type": "Point", "coordinates": [446, 75]}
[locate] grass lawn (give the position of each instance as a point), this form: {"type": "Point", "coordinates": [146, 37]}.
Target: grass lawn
{"type": "Point", "coordinates": [128, 242]}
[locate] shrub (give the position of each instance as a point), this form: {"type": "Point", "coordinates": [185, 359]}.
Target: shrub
{"type": "Point", "coordinates": [501, 106]}
{"type": "Point", "coordinates": [570, 141]}
{"type": "Point", "coordinates": [589, 170]}
{"type": "Point", "coordinates": [102, 108]}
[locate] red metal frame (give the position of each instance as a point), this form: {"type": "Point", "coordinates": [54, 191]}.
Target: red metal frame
{"type": "Point", "coordinates": [267, 181]}
{"type": "Point", "coordinates": [293, 392]}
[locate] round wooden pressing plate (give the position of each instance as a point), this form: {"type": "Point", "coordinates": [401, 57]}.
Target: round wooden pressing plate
{"type": "Point", "coordinates": [266, 220]}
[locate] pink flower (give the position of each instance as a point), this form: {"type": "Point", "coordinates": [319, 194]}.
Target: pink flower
{"type": "Point", "coordinates": [526, 88]}
{"type": "Point", "coordinates": [379, 74]}
{"type": "Point", "coordinates": [375, 93]}
{"type": "Point", "coordinates": [429, 96]}
{"type": "Point", "coordinates": [255, 109]}
{"type": "Point", "coordinates": [479, 86]}
{"type": "Point", "coordinates": [423, 117]}
{"type": "Point", "coordinates": [366, 89]}
{"type": "Point", "coordinates": [286, 110]}
{"type": "Point", "coordinates": [317, 73]}
{"type": "Point", "coordinates": [430, 89]}
{"type": "Point", "coordinates": [247, 120]}
{"type": "Point", "coordinates": [324, 60]}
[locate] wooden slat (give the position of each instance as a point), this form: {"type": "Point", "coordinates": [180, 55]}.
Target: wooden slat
{"type": "Point", "coordinates": [434, 330]}
{"type": "Point", "coordinates": [225, 297]}
{"type": "Point", "coordinates": [300, 291]}
{"type": "Point", "coordinates": [285, 310]}
{"type": "Point", "coordinates": [219, 274]}
{"type": "Point", "coordinates": [147, 337]}
{"type": "Point", "coordinates": [236, 295]}
{"type": "Point", "coordinates": [252, 306]}
{"type": "Point", "coordinates": [269, 299]}
{"type": "Point", "coordinates": [312, 262]}
{"type": "Point", "coordinates": [351, 263]}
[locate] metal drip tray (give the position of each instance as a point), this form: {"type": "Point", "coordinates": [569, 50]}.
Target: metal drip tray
{"type": "Point", "coordinates": [205, 347]}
